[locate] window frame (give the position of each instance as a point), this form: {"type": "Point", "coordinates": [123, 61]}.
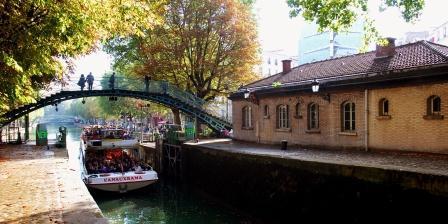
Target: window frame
{"type": "Point", "coordinates": [383, 106]}
{"type": "Point", "coordinates": [266, 111]}
{"type": "Point", "coordinates": [247, 117]}
{"type": "Point", "coordinates": [351, 114]}
{"type": "Point", "coordinates": [313, 114]}
{"type": "Point", "coordinates": [297, 112]}
{"type": "Point", "coordinates": [282, 114]}
{"type": "Point", "coordinates": [431, 105]}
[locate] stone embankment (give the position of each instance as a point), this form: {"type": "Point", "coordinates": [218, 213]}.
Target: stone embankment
{"type": "Point", "coordinates": [43, 186]}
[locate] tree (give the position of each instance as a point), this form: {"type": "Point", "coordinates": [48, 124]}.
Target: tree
{"type": "Point", "coordinates": [206, 47]}
{"type": "Point", "coordinates": [37, 37]}
{"type": "Point", "coordinates": [339, 15]}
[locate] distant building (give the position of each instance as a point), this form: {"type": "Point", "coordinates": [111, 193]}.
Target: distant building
{"type": "Point", "coordinates": [411, 37]}
{"type": "Point", "coordinates": [272, 62]}
{"type": "Point", "coordinates": [439, 34]}
{"type": "Point", "coordinates": [314, 46]}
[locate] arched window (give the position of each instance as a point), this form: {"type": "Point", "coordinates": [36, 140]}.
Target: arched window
{"type": "Point", "coordinates": [313, 116]}
{"type": "Point", "coordinates": [266, 111]}
{"type": "Point", "coordinates": [384, 107]}
{"type": "Point", "coordinates": [282, 116]}
{"type": "Point", "coordinates": [297, 113]}
{"type": "Point", "coordinates": [348, 116]}
{"type": "Point", "coordinates": [247, 117]}
{"type": "Point", "coordinates": [434, 105]}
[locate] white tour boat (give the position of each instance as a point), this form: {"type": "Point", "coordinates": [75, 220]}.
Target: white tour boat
{"type": "Point", "coordinates": [105, 138]}
{"type": "Point", "coordinates": [112, 167]}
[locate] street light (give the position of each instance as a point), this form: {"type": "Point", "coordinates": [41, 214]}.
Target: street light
{"type": "Point", "coordinates": [246, 93]}
{"type": "Point", "coordinates": [141, 105]}
{"type": "Point", "coordinates": [315, 86]}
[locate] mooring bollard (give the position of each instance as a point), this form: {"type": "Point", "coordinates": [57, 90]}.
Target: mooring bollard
{"type": "Point", "coordinates": [284, 145]}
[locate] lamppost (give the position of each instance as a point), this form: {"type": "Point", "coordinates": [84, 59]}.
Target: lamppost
{"type": "Point", "coordinates": [141, 105]}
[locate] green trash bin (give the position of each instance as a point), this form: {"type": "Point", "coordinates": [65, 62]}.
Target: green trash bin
{"type": "Point", "coordinates": [41, 135]}
{"type": "Point", "coordinates": [190, 131]}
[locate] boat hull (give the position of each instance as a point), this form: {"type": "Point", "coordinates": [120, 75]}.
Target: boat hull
{"type": "Point", "coordinates": [121, 182]}
{"type": "Point", "coordinates": [122, 187]}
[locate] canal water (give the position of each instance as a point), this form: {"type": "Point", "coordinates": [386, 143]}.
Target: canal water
{"type": "Point", "coordinates": [163, 202]}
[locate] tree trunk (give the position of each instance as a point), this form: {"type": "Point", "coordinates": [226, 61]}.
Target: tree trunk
{"type": "Point", "coordinates": [176, 115]}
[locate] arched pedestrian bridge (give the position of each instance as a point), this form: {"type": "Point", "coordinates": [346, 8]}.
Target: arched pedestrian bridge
{"type": "Point", "coordinates": [157, 91]}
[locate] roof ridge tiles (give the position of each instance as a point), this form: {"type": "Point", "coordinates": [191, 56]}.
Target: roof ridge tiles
{"type": "Point", "coordinates": [431, 47]}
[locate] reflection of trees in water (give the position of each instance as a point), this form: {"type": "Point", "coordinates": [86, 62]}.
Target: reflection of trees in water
{"type": "Point", "coordinates": [134, 211]}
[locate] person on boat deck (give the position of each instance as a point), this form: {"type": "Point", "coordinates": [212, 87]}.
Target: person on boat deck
{"type": "Point", "coordinates": [104, 169]}
{"type": "Point", "coordinates": [138, 169]}
{"type": "Point", "coordinates": [111, 135]}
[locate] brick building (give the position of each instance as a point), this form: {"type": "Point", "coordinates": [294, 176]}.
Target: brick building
{"type": "Point", "coordinates": [393, 98]}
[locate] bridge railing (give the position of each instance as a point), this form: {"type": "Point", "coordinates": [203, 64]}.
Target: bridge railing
{"type": "Point", "coordinates": [134, 84]}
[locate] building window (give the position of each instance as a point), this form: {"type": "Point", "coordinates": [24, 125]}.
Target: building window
{"type": "Point", "coordinates": [247, 117]}
{"type": "Point", "coordinates": [297, 113]}
{"type": "Point", "coordinates": [266, 111]}
{"type": "Point", "coordinates": [313, 116]}
{"type": "Point", "coordinates": [434, 105]}
{"type": "Point", "coordinates": [384, 107]}
{"type": "Point", "coordinates": [348, 116]}
{"type": "Point", "coordinates": [282, 116]}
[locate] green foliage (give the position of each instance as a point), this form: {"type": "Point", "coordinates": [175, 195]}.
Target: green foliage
{"type": "Point", "coordinates": [38, 38]}
{"type": "Point", "coordinates": [276, 84]}
{"type": "Point", "coordinates": [207, 47]}
{"type": "Point", "coordinates": [339, 15]}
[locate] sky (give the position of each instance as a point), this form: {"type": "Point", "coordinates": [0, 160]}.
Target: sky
{"type": "Point", "coordinates": [278, 32]}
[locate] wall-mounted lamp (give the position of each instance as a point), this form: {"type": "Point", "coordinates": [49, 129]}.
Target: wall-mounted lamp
{"type": "Point", "coordinates": [246, 93]}
{"type": "Point", "coordinates": [315, 86]}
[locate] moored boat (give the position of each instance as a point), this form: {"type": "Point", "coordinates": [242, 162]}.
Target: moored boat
{"type": "Point", "coordinates": [99, 137]}
{"type": "Point", "coordinates": [110, 167]}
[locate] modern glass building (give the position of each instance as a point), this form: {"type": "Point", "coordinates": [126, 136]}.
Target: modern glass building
{"type": "Point", "coordinates": [314, 46]}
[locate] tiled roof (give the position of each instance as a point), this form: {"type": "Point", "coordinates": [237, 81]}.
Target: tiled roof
{"type": "Point", "coordinates": [407, 56]}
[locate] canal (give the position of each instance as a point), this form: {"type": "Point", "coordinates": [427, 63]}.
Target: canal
{"type": "Point", "coordinates": [163, 202]}
{"type": "Point", "coordinates": [271, 190]}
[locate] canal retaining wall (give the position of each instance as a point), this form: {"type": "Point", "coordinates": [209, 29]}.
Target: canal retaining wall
{"type": "Point", "coordinates": [282, 189]}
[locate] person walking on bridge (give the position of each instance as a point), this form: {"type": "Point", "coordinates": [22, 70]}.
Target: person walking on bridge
{"type": "Point", "coordinates": [89, 80]}
{"type": "Point", "coordinates": [82, 82]}
{"type": "Point", "coordinates": [147, 79]}
{"type": "Point", "coordinates": [112, 81]}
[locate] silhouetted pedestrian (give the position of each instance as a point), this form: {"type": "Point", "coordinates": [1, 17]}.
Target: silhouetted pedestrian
{"type": "Point", "coordinates": [147, 78]}
{"type": "Point", "coordinates": [82, 82]}
{"type": "Point", "coordinates": [90, 80]}
{"type": "Point", "coordinates": [112, 81]}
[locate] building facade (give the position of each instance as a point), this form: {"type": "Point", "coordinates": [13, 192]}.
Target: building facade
{"type": "Point", "coordinates": [317, 46]}
{"type": "Point", "coordinates": [394, 98]}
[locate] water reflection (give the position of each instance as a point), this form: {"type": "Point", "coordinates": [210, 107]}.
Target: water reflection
{"type": "Point", "coordinates": [165, 203]}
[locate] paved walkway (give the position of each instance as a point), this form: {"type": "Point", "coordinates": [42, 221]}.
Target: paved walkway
{"type": "Point", "coordinates": [42, 186]}
{"type": "Point", "coordinates": [433, 164]}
